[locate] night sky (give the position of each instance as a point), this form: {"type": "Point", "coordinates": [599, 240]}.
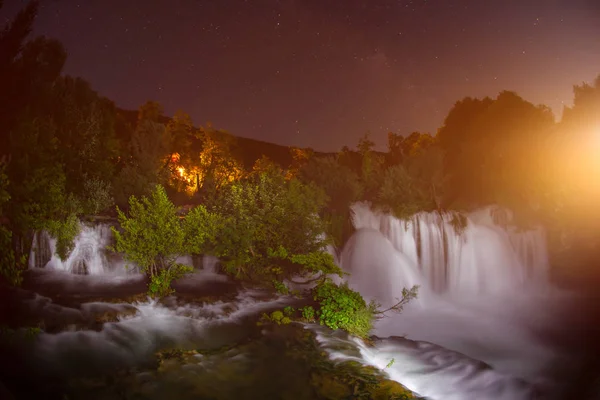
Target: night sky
{"type": "Point", "coordinates": [321, 73]}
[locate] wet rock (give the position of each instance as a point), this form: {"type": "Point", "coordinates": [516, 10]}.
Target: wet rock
{"type": "Point", "coordinates": [327, 387]}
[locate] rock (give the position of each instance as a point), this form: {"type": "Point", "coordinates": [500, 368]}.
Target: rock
{"type": "Point", "coordinates": [388, 389]}
{"type": "Point", "coordinates": [329, 388]}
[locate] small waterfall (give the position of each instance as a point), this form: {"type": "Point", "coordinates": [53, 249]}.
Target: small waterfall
{"type": "Point", "coordinates": [41, 250]}
{"type": "Point", "coordinates": [90, 255]}
{"type": "Point", "coordinates": [486, 255]}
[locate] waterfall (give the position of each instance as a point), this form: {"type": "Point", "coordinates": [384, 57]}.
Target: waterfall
{"type": "Point", "coordinates": [483, 293]}
{"type": "Point", "coordinates": [479, 254]}
{"type": "Point", "coordinates": [89, 256]}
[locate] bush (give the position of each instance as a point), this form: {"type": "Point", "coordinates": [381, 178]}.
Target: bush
{"type": "Point", "coordinates": [153, 237]}
{"type": "Point", "coordinates": [98, 196]}
{"type": "Point", "coordinates": [269, 229]}
{"type": "Point", "coordinates": [308, 313]}
{"type": "Point", "coordinates": [64, 232]}
{"type": "Point", "coordinates": [343, 308]}
{"type": "Point", "coordinates": [160, 285]}
{"type": "Point", "coordinates": [10, 269]}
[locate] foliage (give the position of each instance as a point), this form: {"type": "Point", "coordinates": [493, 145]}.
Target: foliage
{"type": "Point", "coordinates": [339, 182]}
{"type": "Point", "coordinates": [64, 232]}
{"type": "Point", "coordinates": [308, 313]}
{"type": "Point", "coordinates": [201, 228]}
{"type": "Point", "coordinates": [160, 285]}
{"type": "Point", "coordinates": [10, 335]}
{"type": "Point", "coordinates": [288, 311]}
{"type": "Point", "coordinates": [277, 317]}
{"type": "Point", "coordinates": [459, 223]}
{"type": "Point", "coordinates": [343, 308]}
{"type": "Point", "coordinates": [217, 166]}
{"type": "Point", "coordinates": [152, 237]}
{"type": "Point", "coordinates": [492, 150]}
{"type": "Point", "coordinates": [143, 170]}
{"type": "Point", "coordinates": [99, 197]}
{"type": "Point", "coordinates": [10, 269]}
{"type": "Point", "coordinates": [270, 228]}
{"type": "Point", "coordinates": [280, 287]}
{"type": "Point", "coordinates": [407, 296]}
{"type": "Point", "coordinates": [400, 193]}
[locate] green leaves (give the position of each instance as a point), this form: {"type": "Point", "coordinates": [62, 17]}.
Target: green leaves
{"type": "Point", "coordinates": [343, 308]}
{"type": "Point", "coordinates": [64, 232]}
{"type": "Point", "coordinates": [268, 228]}
{"type": "Point", "coordinates": [153, 236]}
{"type": "Point", "coordinates": [160, 285]}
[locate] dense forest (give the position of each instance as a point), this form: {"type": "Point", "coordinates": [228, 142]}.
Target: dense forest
{"type": "Point", "coordinates": [68, 153]}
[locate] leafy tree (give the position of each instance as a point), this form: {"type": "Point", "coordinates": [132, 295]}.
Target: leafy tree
{"type": "Point", "coordinates": [10, 270]}
{"type": "Point", "coordinates": [572, 170]}
{"type": "Point", "coordinates": [395, 153]}
{"type": "Point", "coordinates": [342, 186]}
{"type": "Point", "coordinates": [270, 228]}
{"type": "Point", "coordinates": [492, 150]}
{"type": "Point", "coordinates": [217, 165]}
{"type": "Point", "coordinates": [300, 157]}
{"type": "Point", "coordinates": [264, 165]}
{"type": "Point", "coordinates": [144, 169]}
{"type": "Point", "coordinates": [12, 40]}
{"type": "Point", "coordinates": [152, 237]}
{"type": "Point", "coordinates": [99, 196]}
{"type": "Point", "coordinates": [86, 132]}
{"type": "Point", "coordinates": [150, 111]}
{"type": "Point", "coordinates": [179, 163]}
{"type": "Point", "coordinates": [371, 166]}
{"type": "Point", "coordinates": [401, 193]}
{"type": "Point", "coordinates": [340, 183]}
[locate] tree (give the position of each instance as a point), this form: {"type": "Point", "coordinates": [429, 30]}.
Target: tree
{"type": "Point", "coordinates": [401, 193]}
{"type": "Point", "coordinates": [340, 183]}
{"type": "Point", "coordinates": [152, 236]}
{"type": "Point", "coordinates": [573, 170]}
{"type": "Point", "coordinates": [217, 166]}
{"type": "Point", "coordinates": [180, 160]}
{"type": "Point", "coordinates": [265, 165]}
{"type": "Point", "coordinates": [148, 150]}
{"type": "Point", "coordinates": [371, 166]}
{"type": "Point", "coordinates": [300, 157]}
{"type": "Point", "coordinates": [492, 150]}
{"type": "Point", "coordinates": [342, 186]}
{"type": "Point", "coordinates": [271, 230]}
{"type": "Point", "coordinates": [150, 111]}
{"type": "Point", "coordinates": [12, 41]}
{"type": "Point", "coordinates": [395, 153]}
{"type": "Point", "coordinates": [10, 268]}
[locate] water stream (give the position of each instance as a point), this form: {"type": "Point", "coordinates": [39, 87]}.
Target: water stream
{"type": "Point", "coordinates": [475, 331]}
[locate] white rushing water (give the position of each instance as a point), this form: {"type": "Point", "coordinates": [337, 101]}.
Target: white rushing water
{"type": "Point", "coordinates": [483, 292]}
{"type": "Point", "coordinates": [90, 255]}
{"type": "Point", "coordinates": [134, 338]}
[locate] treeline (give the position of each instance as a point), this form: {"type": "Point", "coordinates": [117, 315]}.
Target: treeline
{"type": "Point", "coordinates": [67, 152]}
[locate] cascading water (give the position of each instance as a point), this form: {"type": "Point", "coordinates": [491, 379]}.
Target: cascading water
{"type": "Point", "coordinates": [88, 257]}
{"type": "Point", "coordinates": [483, 291]}
{"type": "Point", "coordinates": [444, 253]}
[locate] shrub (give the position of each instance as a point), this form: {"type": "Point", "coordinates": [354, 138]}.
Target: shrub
{"type": "Point", "coordinates": [153, 237]}
{"type": "Point", "coordinates": [343, 308]}
{"type": "Point", "coordinates": [308, 313]}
